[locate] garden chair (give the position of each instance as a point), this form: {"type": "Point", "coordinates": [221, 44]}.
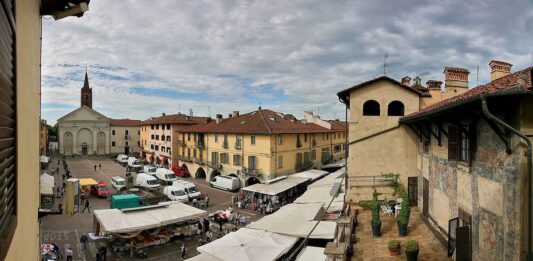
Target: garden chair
{"type": "Point", "coordinates": [386, 210]}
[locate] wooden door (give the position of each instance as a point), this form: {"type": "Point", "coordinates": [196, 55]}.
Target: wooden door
{"type": "Point", "coordinates": [463, 244]}
{"type": "Point", "coordinates": [412, 187]}
{"type": "Point", "coordinates": [425, 198]}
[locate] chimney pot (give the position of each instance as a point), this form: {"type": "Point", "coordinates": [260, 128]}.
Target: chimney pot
{"type": "Point", "coordinates": [406, 80]}
{"type": "Point", "coordinates": [219, 118]}
{"type": "Point", "coordinates": [434, 85]}
{"type": "Point", "coordinates": [456, 77]}
{"type": "Point", "coordinates": [235, 114]}
{"type": "Point", "coordinates": [163, 114]}
{"type": "Point", "coordinates": [499, 69]}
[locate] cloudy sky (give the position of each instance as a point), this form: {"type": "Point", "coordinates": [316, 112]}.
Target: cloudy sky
{"type": "Point", "coordinates": [149, 57]}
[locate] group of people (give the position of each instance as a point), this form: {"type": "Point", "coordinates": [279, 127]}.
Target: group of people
{"type": "Point", "coordinates": [262, 203]}
{"type": "Point", "coordinates": [201, 203]}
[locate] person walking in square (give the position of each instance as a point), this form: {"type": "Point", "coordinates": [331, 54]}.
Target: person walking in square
{"type": "Point", "coordinates": [206, 201]}
{"type": "Point", "coordinates": [100, 166]}
{"type": "Point", "coordinates": [87, 206]}
{"type": "Point", "coordinates": [94, 167]}
{"type": "Point", "coordinates": [83, 241]}
{"type": "Point", "coordinates": [183, 250]}
{"type": "Point", "coordinates": [69, 253]}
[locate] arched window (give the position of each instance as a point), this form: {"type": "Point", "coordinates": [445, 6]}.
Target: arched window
{"type": "Point", "coordinates": [395, 108]}
{"type": "Point", "coordinates": [371, 108]}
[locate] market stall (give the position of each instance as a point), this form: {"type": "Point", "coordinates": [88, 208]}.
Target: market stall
{"type": "Point", "coordinates": [311, 175]}
{"type": "Point", "coordinates": [46, 191]}
{"type": "Point", "coordinates": [248, 244]}
{"type": "Point", "coordinates": [268, 198]}
{"type": "Point", "coordinates": [85, 185]}
{"type": "Point", "coordinates": [319, 192]}
{"type": "Point", "coordinates": [312, 253]}
{"type": "Point", "coordinates": [296, 220]}
{"type": "Point", "coordinates": [146, 226]}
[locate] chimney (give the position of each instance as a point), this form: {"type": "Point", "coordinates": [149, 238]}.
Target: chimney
{"type": "Point", "coordinates": [187, 117]}
{"type": "Point", "coordinates": [229, 115]}
{"type": "Point", "coordinates": [235, 114]}
{"type": "Point", "coordinates": [434, 85]}
{"type": "Point", "coordinates": [219, 118]}
{"type": "Point", "coordinates": [163, 114]}
{"type": "Point", "coordinates": [406, 80]}
{"type": "Point", "coordinates": [499, 69]}
{"type": "Point", "coordinates": [456, 77]}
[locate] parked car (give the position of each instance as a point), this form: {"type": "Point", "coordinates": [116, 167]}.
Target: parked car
{"type": "Point", "coordinates": [176, 193]}
{"type": "Point", "coordinates": [122, 159]}
{"type": "Point", "coordinates": [181, 171]}
{"type": "Point", "coordinates": [227, 183]}
{"type": "Point", "coordinates": [190, 188]}
{"type": "Point", "coordinates": [134, 164]}
{"type": "Point", "coordinates": [147, 181]}
{"type": "Point", "coordinates": [150, 169]}
{"type": "Point", "coordinates": [166, 176]}
{"type": "Point", "coordinates": [100, 190]}
{"type": "Point", "coordinates": [118, 182]}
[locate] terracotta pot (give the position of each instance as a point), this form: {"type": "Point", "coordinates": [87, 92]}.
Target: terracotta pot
{"type": "Point", "coordinates": [395, 251]}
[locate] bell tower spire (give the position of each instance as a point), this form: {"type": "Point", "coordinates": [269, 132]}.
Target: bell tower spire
{"type": "Point", "coordinates": [86, 93]}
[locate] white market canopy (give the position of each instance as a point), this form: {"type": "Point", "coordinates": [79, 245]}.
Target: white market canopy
{"type": "Point", "coordinates": [248, 245]}
{"type": "Point", "coordinates": [117, 221]}
{"type": "Point", "coordinates": [321, 195]}
{"type": "Point", "coordinates": [312, 253]}
{"type": "Point", "coordinates": [312, 174]}
{"type": "Point", "coordinates": [276, 187]}
{"type": "Point", "coordinates": [296, 220]}
{"type": "Point", "coordinates": [339, 164]}
{"type": "Point", "coordinates": [46, 186]}
{"type": "Point", "coordinates": [328, 180]}
{"type": "Point", "coordinates": [203, 257]}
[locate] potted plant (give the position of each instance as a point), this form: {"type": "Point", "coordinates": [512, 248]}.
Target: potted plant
{"type": "Point", "coordinates": [410, 247]}
{"type": "Point", "coordinates": [394, 247]}
{"type": "Point", "coordinates": [374, 207]}
{"type": "Point", "coordinates": [405, 212]}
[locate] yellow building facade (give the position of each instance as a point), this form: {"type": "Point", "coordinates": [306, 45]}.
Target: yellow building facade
{"type": "Point", "coordinates": [125, 136]}
{"type": "Point", "coordinates": [258, 146]}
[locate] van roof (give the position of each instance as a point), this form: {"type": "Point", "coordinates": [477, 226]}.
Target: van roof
{"type": "Point", "coordinates": [117, 178]}
{"type": "Point", "coordinates": [145, 175]}
{"type": "Point", "coordinates": [227, 177]}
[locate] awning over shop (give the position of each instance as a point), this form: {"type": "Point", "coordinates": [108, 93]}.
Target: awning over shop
{"type": "Point", "coordinates": [46, 186]}
{"type": "Point", "coordinates": [276, 187]}
{"type": "Point", "coordinates": [121, 221]}
{"type": "Point", "coordinates": [319, 192]}
{"type": "Point", "coordinates": [296, 220]}
{"type": "Point", "coordinates": [328, 180]}
{"type": "Point", "coordinates": [248, 244]}
{"type": "Point", "coordinates": [312, 253]}
{"type": "Point", "coordinates": [312, 174]}
{"type": "Point", "coordinates": [88, 182]}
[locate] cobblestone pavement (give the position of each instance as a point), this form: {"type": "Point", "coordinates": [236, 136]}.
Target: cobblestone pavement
{"type": "Point", "coordinates": [66, 230]}
{"type": "Point", "coordinates": [368, 248]}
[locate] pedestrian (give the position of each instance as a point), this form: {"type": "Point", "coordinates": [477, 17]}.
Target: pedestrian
{"type": "Point", "coordinates": [83, 241]}
{"type": "Point", "coordinates": [206, 225]}
{"type": "Point", "coordinates": [58, 162]}
{"type": "Point", "coordinates": [62, 192]}
{"type": "Point", "coordinates": [219, 223]}
{"type": "Point", "coordinates": [69, 253]}
{"type": "Point", "coordinates": [243, 220]}
{"type": "Point", "coordinates": [53, 172]}
{"type": "Point", "coordinates": [64, 177]}
{"type": "Point", "coordinates": [57, 170]}
{"type": "Point", "coordinates": [208, 236]}
{"type": "Point", "coordinates": [103, 252]}
{"type": "Point", "coordinates": [133, 246]}
{"type": "Point", "coordinates": [99, 165]}
{"type": "Point", "coordinates": [87, 206]}
{"type": "Point", "coordinates": [194, 202]}
{"type": "Point", "coordinates": [183, 250]}
{"type": "Point", "coordinates": [206, 201]}
{"type": "Point", "coordinates": [56, 251]}
{"type": "Point", "coordinates": [233, 199]}
{"type": "Point", "coordinates": [98, 256]}
{"type": "Point", "coordinates": [200, 223]}
{"type": "Point", "coordinates": [94, 167]}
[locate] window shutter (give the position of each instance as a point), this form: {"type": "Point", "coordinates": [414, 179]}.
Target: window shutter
{"type": "Point", "coordinates": [8, 179]}
{"type": "Point", "coordinates": [453, 142]}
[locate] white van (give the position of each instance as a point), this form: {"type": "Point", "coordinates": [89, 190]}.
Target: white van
{"type": "Point", "coordinates": [226, 183]}
{"type": "Point", "coordinates": [134, 164]}
{"type": "Point", "coordinates": [176, 193]}
{"type": "Point", "coordinates": [118, 182]}
{"type": "Point", "coordinates": [166, 176]}
{"type": "Point", "coordinates": [149, 169]}
{"type": "Point", "coordinates": [147, 181]}
{"type": "Point", "coordinates": [122, 159]}
{"type": "Point", "coordinates": [190, 188]}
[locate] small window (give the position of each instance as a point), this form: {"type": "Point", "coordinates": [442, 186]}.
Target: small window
{"type": "Point", "coordinates": [126, 143]}
{"type": "Point", "coordinates": [237, 160]}
{"type": "Point", "coordinates": [152, 146]}
{"type": "Point", "coordinates": [280, 139]}
{"type": "Point", "coordinates": [163, 127]}
{"type": "Point", "coordinates": [216, 137]}
{"type": "Point", "coordinates": [112, 144]}
{"type": "Point", "coordinates": [252, 139]}
{"type": "Point", "coordinates": [113, 132]}
{"type": "Point", "coordinates": [395, 108]}
{"type": "Point", "coordinates": [126, 132]}
{"type": "Point", "coordinates": [156, 147]}
{"type": "Point", "coordinates": [189, 136]}
{"type": "Point", "coordinates": [280, 162]}
{"type": "Point", "coordinates": [152, 126]}
{"type": "Point", "coordinates": [152, 136]}
{"type": "Point", "coordinates": [157, 127]}
{"type": "Point", "coordinates": [371, 108]}
{"type": "Point", "coordinates": [168, 126]}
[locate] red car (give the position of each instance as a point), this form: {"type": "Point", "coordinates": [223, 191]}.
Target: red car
{"type": "Point", "coordinates": [180, 171]}
{"type": "Point", "coordinates": [100, 190]}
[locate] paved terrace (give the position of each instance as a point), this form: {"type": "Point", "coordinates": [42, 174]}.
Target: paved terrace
{"type": "Point", "coordinates": [370, 248]}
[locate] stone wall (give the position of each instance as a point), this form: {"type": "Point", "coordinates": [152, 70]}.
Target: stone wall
{"type": "Point", "coordinates": [488, 190]}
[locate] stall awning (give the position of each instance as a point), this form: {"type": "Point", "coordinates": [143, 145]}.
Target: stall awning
{"type": "Point", "coordinates": [312, 253]}
{"type": "Point", "coordinates": [312, 174]}
{"type": "Point", "coordinates": [296, 220]}
{"type": "Point", "coordinates": [46, 186]}
{"type": "Point", "coordinates": [328, 180]}
{"type": "Point", "coordinates": [338, 164]}
{"type": "Point", "coordinates": [203, 257]}
{"type": "Point", "coordinates": [88, 182]}
{"type": "Point", "coordinates": [249, 244]}
{"type": "Point", "coordinates": [276, 187]}
{"type": "Point", "coordinates": [120, 221]}
{"type": "Point", "coordinates": [321, 195]}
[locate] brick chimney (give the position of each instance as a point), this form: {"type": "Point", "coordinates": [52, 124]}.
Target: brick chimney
{"type": "Point", "coordinates": [235, 114]}
{"type": "Point", "coordinates": [499, 69]}
{"type": "Point", "coordinates": [434, 85]}
{"type": "Point", "coordinates": [455, 81]}
{"type": "Point", "coordinates": [219, 118]}
{"type": "Point", "coordinates": [163, 114]}
{"type": "Point", "coordinates": [406, 80]}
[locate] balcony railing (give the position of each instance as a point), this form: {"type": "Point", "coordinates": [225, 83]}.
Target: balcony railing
{"type": "Point", "coordinates": [238, 145]}
{"type": "Point", "coordinates": [304, 166]}
{"type": "Point", "coordinates": [252, 172]}
{"type": "Point", "coordinates": [199, 144]}
{"type": "Point", "coordinates": [181, 143]}
{"type": "Point", "coordinates": [225, 145]}
{"type": "Point", "coordinates": [214, 165]}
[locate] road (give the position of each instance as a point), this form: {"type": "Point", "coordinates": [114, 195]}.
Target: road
{"type": "Point", "coordinates": [65, 230]}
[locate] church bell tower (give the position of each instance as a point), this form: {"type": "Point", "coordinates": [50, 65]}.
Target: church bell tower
{"type": "Point", "coordinates": [86, 93]}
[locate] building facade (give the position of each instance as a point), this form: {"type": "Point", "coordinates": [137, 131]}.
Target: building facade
{"type": "Point", "coordinates": [43, 138]}
{"type": "Point", "coordinates": [157, 134]}
{"type": "Point", "coordinates": [125, 136]}
{"type": "Point", "coordinates": [258, 146]}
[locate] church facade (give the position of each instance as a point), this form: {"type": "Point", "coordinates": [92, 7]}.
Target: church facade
{"type": "Point", "coordinates": [87, 132]}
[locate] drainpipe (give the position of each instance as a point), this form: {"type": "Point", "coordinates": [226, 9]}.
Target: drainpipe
{"type": "Point", "coordinates": [486, 112]}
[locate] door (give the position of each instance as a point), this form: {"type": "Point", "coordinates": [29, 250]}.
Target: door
{"type": "Point", "coordinates": [84, 151]}
{"type": "Point", "coordinates": [425, 198]}
{"type": "Point", "coordinates": [412, 187]}
{"type": "Point", "coordinates": [127, 150]}
{"type": "Point", "coordinates": [463, 246]}
{"type": "Point", "coordinates": [452, 229]}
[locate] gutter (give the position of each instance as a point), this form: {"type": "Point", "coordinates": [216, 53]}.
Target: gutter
{"type": "Point", "coordinates": [486, 112]}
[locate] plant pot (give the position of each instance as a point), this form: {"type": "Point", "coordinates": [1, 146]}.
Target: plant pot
{"type": "Point", "coordinates": [376, 229]}
{"type": "Point", "coordinates": [411, 255]}
{"type": "Point", "coordinates": [395, 251]}
{"type": "Point", "coordinates": [402, 229]}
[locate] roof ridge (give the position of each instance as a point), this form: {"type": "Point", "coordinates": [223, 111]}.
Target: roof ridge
{"type": "Point", "coordinates": [264, 121]}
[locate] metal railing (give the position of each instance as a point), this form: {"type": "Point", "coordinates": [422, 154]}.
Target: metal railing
{"type": "Point", "coordinates": [238, 145]}
{"type": "Point", "coordinates": [369, 181]}
{"type": "Point", "coordinates": [200, 144]}
{"type": "Point", "coordinates": [214, 165]}
{"type": "Point", "coordinates": [252, 172]}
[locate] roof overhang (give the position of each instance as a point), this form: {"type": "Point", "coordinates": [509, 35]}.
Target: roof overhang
{"type": "Point", "coordinates": [60, 9]}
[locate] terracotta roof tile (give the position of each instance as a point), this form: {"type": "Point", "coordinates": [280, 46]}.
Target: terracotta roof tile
{"type": "Point", "coordinates": [262, 121]}
{"type": "Point", "coordinates": [520, 78]}
{"type": "Point", "coordinates": [176, 118]}
{"type": "Point", "coordinates": [125, 122]}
